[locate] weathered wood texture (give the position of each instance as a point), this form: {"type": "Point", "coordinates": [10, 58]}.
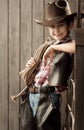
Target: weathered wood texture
{"type": "Point", "coordinates": [79, 94]}
{"type": "Point", "coordinates": [19, 38]}
{"type": "Point", "coordinates": [3, 65]}
{"type": "Point", "coordinates": [13, 62]}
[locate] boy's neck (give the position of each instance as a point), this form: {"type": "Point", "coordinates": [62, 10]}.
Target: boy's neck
{"type": "Point", "coordinates": [65, 38]}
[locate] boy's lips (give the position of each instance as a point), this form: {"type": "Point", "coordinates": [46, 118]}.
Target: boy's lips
{"type": "Point", "coordinates": [58, 35]}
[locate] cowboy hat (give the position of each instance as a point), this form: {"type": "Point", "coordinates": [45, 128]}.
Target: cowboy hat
{"type": "Point", "coordinates": [55, 12]}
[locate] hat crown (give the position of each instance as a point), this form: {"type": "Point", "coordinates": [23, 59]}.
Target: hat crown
{"type": "Point", "coordinates": [57, 8]}
{"type": "Point", "coordinates": [57, 11]}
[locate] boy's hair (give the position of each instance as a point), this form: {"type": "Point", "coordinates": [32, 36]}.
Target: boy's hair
{"type": "Point", "coordinates": [73, 21]}
{"type": "Point", "coordinates": [69, 22]}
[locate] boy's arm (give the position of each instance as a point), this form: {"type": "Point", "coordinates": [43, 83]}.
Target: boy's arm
{"type": "Point", "coordinates": [39, 52]}
{"type": "Point", "coordinates": [65, 47]}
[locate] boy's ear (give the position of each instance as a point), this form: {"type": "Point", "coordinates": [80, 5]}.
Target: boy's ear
{"type": "Point", "coordinates": [73, 24]}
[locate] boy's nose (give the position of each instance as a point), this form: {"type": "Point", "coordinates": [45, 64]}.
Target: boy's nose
{"type": "Point", "coordinates": [55, 30]}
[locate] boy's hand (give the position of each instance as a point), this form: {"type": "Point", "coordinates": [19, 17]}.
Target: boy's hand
{"type": "Point", "coordinates": [48, 54]}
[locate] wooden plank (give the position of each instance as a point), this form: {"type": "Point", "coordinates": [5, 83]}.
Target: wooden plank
{"type": "Point", "coordinates": [73, 5]}
{"type": "Point", "coordinates": [79, 103]}
{"type": "Point", "coordinates": [79, 35]}
{"type": "Point", "coordinates": [79, 73]}
{"type": "Point", "coordinates": [26, 33]}
{"type": "Point", "coordinates": [13, 62]}
{"type": "Point", "coordinates": [46, 28]}
{"type": "Point", "coordinates": [3, 65]}
{"type": "Point", "coordinates": [37, 29]}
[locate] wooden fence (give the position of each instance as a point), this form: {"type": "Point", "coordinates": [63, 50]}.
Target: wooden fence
{"type": "Point", "coordinates": [19, 38]}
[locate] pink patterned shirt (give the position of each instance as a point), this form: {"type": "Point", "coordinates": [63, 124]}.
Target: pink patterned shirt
{"type": "Point", "coordinates": [41, 78]}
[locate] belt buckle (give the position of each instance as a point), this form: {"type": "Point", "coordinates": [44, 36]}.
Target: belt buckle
{"type": "Point", "coordinates": [32, 89]}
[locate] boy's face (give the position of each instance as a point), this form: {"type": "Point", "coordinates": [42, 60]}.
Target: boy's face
{"type": "Point", "coordinates": [58, 31]}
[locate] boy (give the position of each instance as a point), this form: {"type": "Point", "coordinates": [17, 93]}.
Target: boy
{"type": "Point", "coordinates": [54, 68]}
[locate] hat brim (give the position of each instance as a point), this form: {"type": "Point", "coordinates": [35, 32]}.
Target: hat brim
{"type": "Point", "coordinates": [49, 22]}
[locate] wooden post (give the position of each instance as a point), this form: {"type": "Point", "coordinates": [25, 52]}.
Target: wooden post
{"type": "Point", "coordinates": [79, 79]}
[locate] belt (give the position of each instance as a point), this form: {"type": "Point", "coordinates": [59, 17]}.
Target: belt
{"type": "Point", "coordinates": [47, 89]}
{"type": "Point", "coordinates": [41, 89]}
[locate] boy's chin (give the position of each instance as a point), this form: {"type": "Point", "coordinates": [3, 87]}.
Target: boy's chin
{"type": "Point", "coordinates": [57, 39]}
